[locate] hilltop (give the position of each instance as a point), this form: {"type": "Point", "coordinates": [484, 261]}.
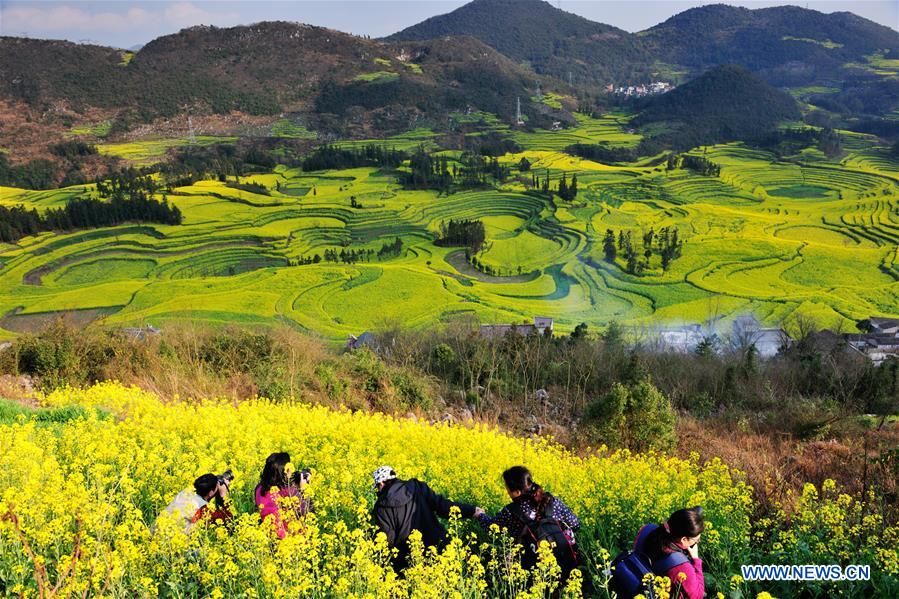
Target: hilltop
{"type": "Point", "coordinates": [787, 45]}
{"type": "Point", "coordinates": [266, 69]}
{"type": "Point", "coordinates": [725, 103]}
{"type": "Point", "coordinates": [552, 41]}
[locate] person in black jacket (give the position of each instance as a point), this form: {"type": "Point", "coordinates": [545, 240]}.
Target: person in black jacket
{"type": "Point", "coordinates": [406, 505]}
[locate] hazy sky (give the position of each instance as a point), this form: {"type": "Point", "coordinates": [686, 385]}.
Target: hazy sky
{"type": "Point", "coordinates": [125, 24]}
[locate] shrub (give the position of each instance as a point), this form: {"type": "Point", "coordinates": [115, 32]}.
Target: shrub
{"type": "Point", "coordinates": [636, 416]}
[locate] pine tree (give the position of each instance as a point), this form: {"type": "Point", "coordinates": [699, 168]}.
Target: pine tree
{"type": "Point", "coordinates": [608, 246]}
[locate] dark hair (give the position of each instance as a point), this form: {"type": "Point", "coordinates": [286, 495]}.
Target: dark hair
{"type": "Point", "coordinates": [206, 484]}
{"type": "Point", "coordinates": [273, 472]}
{"type": "Point", "coordinates": [518, 478]}
{"type": "Point", "coordinates": [683, 523]}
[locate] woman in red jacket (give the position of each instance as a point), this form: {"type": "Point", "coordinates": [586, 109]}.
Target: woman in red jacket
{"type": "Point", "coordinates": [673, 548]}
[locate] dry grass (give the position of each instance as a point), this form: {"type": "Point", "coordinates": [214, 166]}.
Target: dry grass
{"type": "Point", "coordinates": [861, 460]}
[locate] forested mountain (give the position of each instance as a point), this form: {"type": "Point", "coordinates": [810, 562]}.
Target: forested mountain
{"type": "Point", "coordinates": [787, 45]}
{"type": "Point", "coordinates": [551, 41]}
{"type": "Point", "coordinates": [40, 72]}
{"type": "Point", "coordinates": [265, 69]}
{"type": "Point", "coordinates": [725, 103]}
{"type": "Point", "coordinates": [480, 57]}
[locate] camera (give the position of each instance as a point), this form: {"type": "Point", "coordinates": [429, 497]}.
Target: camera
{"type": "Point", "coordinates": [301, 476]}
{"type": "Point", "coordinates": [226, 477]}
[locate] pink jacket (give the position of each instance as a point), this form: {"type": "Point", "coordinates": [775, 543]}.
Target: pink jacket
{"type": "Point", "coordinates": [268, 506]}
{"type": "Point", "coordinates": [693, 587]}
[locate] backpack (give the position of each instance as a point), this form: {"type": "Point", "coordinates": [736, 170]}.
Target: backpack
{"type": "Point", "coordinates": [551, 530]}
{"type": "Point", "coordinates": [629, 568]}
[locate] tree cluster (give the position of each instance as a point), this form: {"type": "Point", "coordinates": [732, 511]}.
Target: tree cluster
{"type": "Point", "coordinates": [666, 244]}
{"type": "Point", "coordinates": [335, 157]}
{"type": "Point", "coordinates": [73, 149]}
{"type": "Point", "coordinates": [39, 173]}
{"type": "Point", "coordinates": [251, 187]}
{"type": "Point", "coordinates": [487, 268]}
{"type": "Point", "coordinates": [697, 164]}
{"type": "Point", "coordinates": [829, 143]}
{"type": "Point", "coordinates": [221, 161]}
{"type": "Point", "coordinates": [346, 256]}
{"type": "Point", "coordinates": [466, 233]}
{"type": "Point", "coordinates": [79, 213]}
{"type": "Point", "coordinates": [127, 183]}
{"type": "Point", "coordinates": [391, 249]}
{"type": "Point", "coordinates": [565, 189]}
{"type": "Point", "coordinates": [790, 141]}
{"type": "Point", "coordinates": [490, 144]}
{"type": "Point", "coordinates": [427, 171]}
{"type": "Point", "coordinates": [604, 152]}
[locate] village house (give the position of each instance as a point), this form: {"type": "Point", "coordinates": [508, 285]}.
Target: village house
{"type": "Point", "coordinates": [638, 91]}
{"type": "Point", "coordinates": [683, 339]}
{"type": "Point", "coordinates": [879, 341]}
{"type": "Point", "coordinates": [747, 331]}
{"type": "Point", "coordinates": [542, 326]}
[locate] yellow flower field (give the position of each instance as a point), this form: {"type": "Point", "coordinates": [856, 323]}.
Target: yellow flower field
{"type": "Point", "coordinates": [79, 500]}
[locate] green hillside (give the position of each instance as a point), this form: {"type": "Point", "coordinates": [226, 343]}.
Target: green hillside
{"type": "Point", "coordinates": [723, 196]}
{"type": "Point", "coordinates": [261, 69]}
{"type": "Point", "coordinates": [725, 103]}
{"type": "Point", "coordinates": [778, 237]}
{"type": "Point", "coordinates": [788, 45]}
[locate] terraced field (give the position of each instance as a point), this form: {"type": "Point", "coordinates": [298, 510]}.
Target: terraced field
{"type": "Point", "coordinates": [776, 238]}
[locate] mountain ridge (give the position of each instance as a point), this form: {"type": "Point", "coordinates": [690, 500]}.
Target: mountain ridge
{"type": "Point", "coordinates": [535, 32]}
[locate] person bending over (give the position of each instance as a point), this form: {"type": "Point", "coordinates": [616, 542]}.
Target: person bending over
{"type": "Point", "coordinates": [533, 516]}
{"type": "Point", "coordinates": [406, 505]}
{"type": "Point", "coordinates": [194, 504]}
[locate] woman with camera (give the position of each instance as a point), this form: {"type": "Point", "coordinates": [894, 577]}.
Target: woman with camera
{"type": "Point", "coordinates": [279, 494]}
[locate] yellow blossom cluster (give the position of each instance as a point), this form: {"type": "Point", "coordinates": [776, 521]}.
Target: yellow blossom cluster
{"type": "Point", "coordinates": [80, 502]}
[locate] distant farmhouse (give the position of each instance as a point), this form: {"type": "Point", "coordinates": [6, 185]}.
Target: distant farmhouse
{"type": "Point", "coordinates": [542, 326]}
{"type": "Point", "coordinates": [879, 341]}
{"type": "Point", "coordinates": [683, 339]}
{"type": "Point", "coordinates": [768, 342]}
{"type": "Point", "coordinates": [745, 331]}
